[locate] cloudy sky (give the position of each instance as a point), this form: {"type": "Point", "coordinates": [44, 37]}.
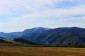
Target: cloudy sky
{"type": "Point", "coordinates": [17, 15]}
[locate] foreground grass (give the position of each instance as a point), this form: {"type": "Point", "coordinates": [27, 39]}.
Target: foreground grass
{"type": "Point", "coordinates": [40, 51]}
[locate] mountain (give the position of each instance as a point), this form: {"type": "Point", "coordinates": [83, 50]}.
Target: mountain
{"type": "Point", "coordinates": [23, 33]}
{"type": "Point", "coordinates": [34, 30]}
{"type": "Point", "coordinates": [7, 38]}
{"type": "Point", "coordinates": [16, 34]}
{"type": "Point", "coordinates": [66, 36]}
{"type": "Point", "coordinates": [7, 35]}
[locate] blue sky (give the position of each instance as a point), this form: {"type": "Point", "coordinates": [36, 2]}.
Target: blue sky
{"type": "Point", "coordinates": [17, 15]}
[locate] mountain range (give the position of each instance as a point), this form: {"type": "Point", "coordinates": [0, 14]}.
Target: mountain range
{"type": "Point", "coordinates": [25, 32]}
{"type": "Point", "coordinates": [64, 36]}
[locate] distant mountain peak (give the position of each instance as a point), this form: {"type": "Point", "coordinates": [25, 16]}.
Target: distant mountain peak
{"type": "Point", "coordinates": [37, 28]}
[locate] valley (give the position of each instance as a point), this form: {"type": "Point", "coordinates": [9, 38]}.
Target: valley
{"type": "Point", "coordinates": [44, 42]}
{"type": "Point", "coordinates": [42, 27]}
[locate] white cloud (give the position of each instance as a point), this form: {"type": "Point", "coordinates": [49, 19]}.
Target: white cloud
{"type": "Point", "coordinates": [23, 14]}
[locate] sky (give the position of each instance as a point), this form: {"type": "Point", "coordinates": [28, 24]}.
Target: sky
{"type": "Point", "coordinates": [17, 15]}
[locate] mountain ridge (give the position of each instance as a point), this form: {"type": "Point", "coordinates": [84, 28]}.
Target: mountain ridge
{"type": "Point", "coordinates": [64, 36]}
{"type": "Point", "coordinates": [19, 34]}
{"type": "Point", "coordinates": [67, 36]}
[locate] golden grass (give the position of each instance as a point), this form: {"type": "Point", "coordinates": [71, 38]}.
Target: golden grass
{"type": "Point", "coordinates": [40, 51]}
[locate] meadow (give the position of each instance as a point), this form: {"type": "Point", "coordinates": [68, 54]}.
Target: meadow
{"type": "Point", "coordinates": [40, 51]}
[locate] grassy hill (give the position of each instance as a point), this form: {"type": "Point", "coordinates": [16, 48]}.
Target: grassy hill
{"type": "Point", "coordinates": [11, 42]}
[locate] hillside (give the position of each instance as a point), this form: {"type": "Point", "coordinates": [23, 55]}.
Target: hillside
{"type": "Point", "coordinates": [64, 36]}
{"type": "Point", "coordinates": [11, 42]}
{"type": "Point", "coordinates": [22, 33]}
{"type": "Point", "coordinates": [73, 36]}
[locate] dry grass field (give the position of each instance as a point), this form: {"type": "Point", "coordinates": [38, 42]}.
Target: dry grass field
{"type": "Point", "coordinates": [41, 51]}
